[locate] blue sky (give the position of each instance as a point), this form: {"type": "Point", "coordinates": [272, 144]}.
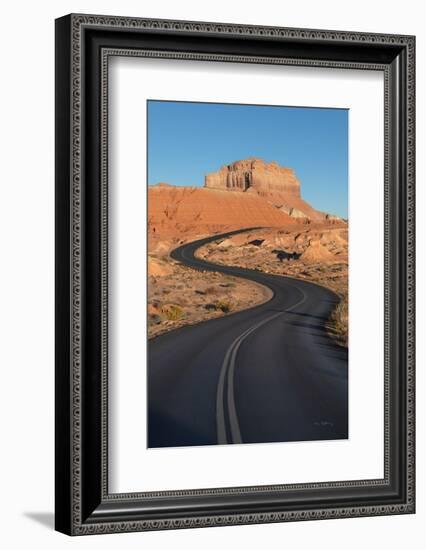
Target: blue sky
{"type": "Point", "coordinates": [188, 140]}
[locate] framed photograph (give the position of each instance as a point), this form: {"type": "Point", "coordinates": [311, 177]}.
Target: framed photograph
{"type": "Point", "coordinates": [234, 274]}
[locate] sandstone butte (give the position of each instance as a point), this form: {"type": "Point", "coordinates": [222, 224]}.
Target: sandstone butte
{"type": "Point", "coordinates": [277, 184]}
{"type": "Point", "coordinates": [246, 193]}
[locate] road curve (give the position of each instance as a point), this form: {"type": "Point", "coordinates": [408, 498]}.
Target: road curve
{"type": "Point", "coordinates": [269, 373]}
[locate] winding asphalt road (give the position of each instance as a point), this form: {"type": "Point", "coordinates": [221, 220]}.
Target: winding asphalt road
{"type": "Point", "coordinates": [267, 374]}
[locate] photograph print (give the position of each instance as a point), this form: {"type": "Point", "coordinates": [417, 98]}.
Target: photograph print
{"type": "Point", "coordinates": [248, 270]}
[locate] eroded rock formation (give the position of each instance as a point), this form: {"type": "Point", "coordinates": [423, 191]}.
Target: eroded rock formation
{"type": "Point", "coordinates": [254, 173]}
{"type": "Point", "coordinates": [277, 184]}
{"type": "Point", "coordinates": [185, 211]}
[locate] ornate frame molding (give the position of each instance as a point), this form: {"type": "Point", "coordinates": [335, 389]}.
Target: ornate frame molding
{"type": "Point", "coordinates": [72, 46]}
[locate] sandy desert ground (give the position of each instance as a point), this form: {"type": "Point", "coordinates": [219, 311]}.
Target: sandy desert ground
{"type": "Point", "coordinates": [317, 253]}
{"type": "Point", "coordinates": [293, 239]}
{"type": "Point", "coordinates": [180, 296]}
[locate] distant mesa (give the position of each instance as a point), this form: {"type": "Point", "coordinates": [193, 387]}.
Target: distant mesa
{"type": "Point", "coordinates": [246, 193]}
{"type": "Point", "coordinates": [277, 184]}
{"type": "Point", "coordinates": [254, 173]}
{"type": "Point", "coordinates": [162, 184]}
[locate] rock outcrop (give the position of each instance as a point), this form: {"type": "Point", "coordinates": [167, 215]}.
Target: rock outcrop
{"type": "Point", "coordinates": [277, 184]}
{"type": "Point", "coordinates": [177, 212]}
{"type": "Point", "coordinates": [254, 173]}
{"type": "Point", "coordinates": [293, 212]}
{"type": "Point", "coordinates": [317, 252]}
{"type": "Point", "coordinates": [162, 184]}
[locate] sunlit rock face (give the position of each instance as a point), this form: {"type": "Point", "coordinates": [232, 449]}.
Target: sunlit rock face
{"type": "Point", "coordinates": [276, 184]}
{"type": "Point", "coordinates": [263, 177]}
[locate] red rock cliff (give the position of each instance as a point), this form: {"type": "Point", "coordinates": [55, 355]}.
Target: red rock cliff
{"type": "Point", "coordinates": [277, 184]}
{"type": "Point", "coordinates": [254, 173]}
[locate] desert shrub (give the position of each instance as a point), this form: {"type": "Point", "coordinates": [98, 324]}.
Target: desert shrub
{"type": "Point", "coordinates": [154, 319]}
{"type": "Point", "coordinates": [220, 305]}
{"type": "Point", "coordinates": [172, 312]}
{"type": "Point", "coordinates": [339, 320]}
{"type": "Point", "coordinates": [223, 305]}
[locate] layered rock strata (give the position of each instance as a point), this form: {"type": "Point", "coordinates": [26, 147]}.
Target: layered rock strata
{"type": "Point", "coordinates": [254, 173]}
{"type": "Point", "coordinates": [277, 184]}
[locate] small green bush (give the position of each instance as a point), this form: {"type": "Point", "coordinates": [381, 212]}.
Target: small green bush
{"type": "Point", "coordinates": [339, 320]}
{"type": "Point", "coordinates": [172, 312]}
{"type": "Point", "coordinates": [223, 305]}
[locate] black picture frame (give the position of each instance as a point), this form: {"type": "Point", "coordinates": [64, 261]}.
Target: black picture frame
{"type": "Point", "coordinates": [83, 45]}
